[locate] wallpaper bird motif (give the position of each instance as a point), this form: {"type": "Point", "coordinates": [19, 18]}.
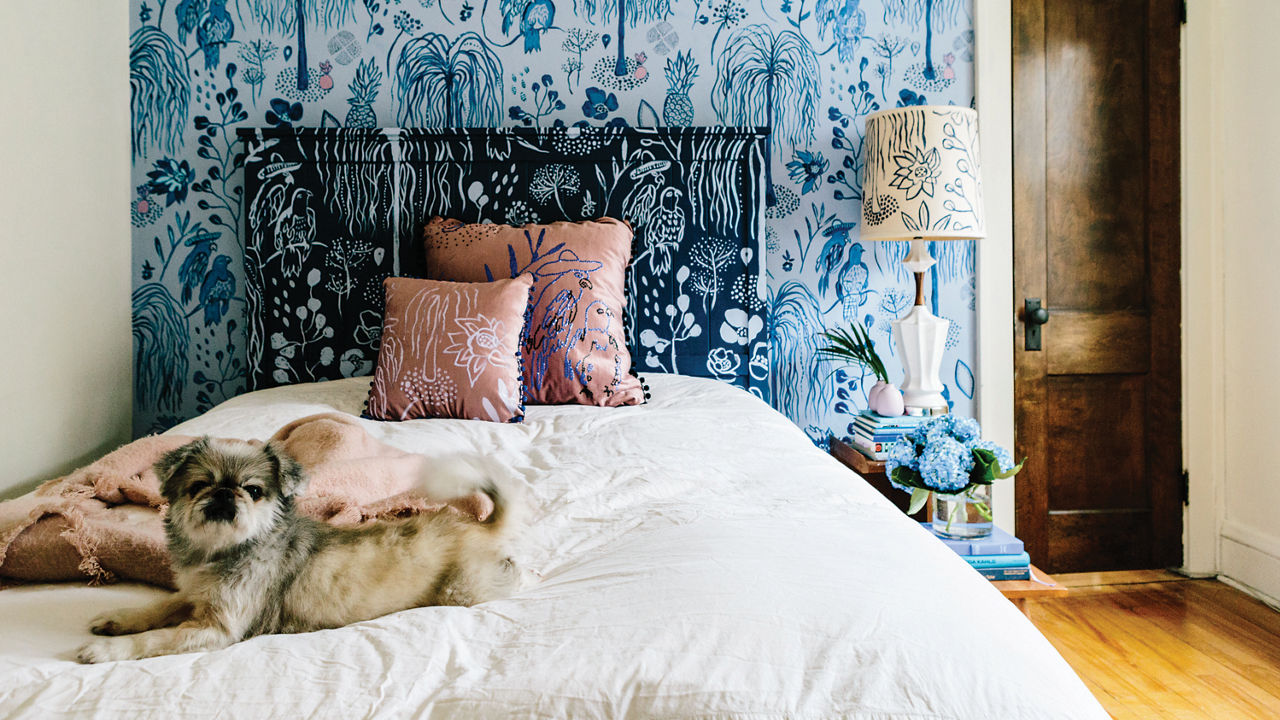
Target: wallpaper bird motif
{"type": "Point", "coordinates": [810, 70]}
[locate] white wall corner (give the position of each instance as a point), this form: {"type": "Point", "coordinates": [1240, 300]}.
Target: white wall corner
{"type": "Point", "coordinates": [993, 84]}
{"type": "Point", "coordinates": [1203, 299]}
{"type": "Point", "coordinates": [1250, 559]}
{"type": "Point", "coordinates": [66, 382]}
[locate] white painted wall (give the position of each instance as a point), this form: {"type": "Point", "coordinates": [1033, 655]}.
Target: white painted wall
{"type": "Point", "coordinates": [65, 366]}
{"type": "Point", "coordinates": [1251, 262]}
{"type": "Point", "coordinates": [1233, 335]}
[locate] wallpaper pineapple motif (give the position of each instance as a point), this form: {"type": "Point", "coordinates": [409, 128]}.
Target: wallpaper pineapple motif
{"type": "Point", "coordinates": [811, 70]}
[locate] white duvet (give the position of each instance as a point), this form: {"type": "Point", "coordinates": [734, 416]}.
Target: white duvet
{"type": "Point", "coordinates": [700, 558]}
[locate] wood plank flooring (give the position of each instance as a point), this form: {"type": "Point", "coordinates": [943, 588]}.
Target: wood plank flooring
{"type": "Point", "coordinates": [1151, 644]}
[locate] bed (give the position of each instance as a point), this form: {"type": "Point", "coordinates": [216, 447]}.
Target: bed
{"type": "Point", "coordinates": [699, 558]}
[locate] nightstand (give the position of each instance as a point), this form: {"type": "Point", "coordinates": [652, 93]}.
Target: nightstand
{"type": "Point", "coordinates": [873, 472]}
{"type": "Point", "coordinates": [1042, 585]}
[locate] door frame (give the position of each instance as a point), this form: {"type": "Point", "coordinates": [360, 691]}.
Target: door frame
{"type": "Point", "coordinates": [1203, 305]}
{"type": "Point", "coordinates": [1202, 311]}
{"type": "Point", "coordinates": [993, 91]}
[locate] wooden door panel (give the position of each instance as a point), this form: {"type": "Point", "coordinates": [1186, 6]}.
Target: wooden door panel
{"type": "Point", "coordinates": [1096, 230]}
{"type": "Point", "coordinates": [1097, 342]}
{"type": "Point", "coordinates": [1095, 444]}
{"type": "Point", "coordinates": [1102, 540]}
{"type": "Point", "coordinates": [1095, 144]}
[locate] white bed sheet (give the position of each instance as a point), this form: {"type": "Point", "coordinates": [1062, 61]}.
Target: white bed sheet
{"type": "Point", "coordinates": [700, 558]}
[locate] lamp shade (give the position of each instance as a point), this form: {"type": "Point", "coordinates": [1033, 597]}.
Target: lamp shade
{"type": "Point", "coordinates": [922, 175]}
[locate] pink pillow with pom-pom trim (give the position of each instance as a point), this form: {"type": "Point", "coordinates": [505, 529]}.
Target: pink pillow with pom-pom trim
{"type": "Point", "coordinates": [575, 348]}
{"type": "Point", "coordinates": [451, 350]}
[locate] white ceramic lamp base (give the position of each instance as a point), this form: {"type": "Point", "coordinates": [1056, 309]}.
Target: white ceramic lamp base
{"type": "Point", "coordinates": [921, 339]}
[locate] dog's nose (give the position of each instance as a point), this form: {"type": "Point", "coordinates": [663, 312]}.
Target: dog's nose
{"type": "Point", "coordinates": [221, 505]}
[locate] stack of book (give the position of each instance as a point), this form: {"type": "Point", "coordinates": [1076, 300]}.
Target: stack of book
{"type": "Point", "coordinates": [998, 557]}
{"type": "Point", "coordinates": [874, 433]}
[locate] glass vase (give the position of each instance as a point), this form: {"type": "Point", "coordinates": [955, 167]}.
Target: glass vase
{"type": "Point", "coordinates": [963, 515]}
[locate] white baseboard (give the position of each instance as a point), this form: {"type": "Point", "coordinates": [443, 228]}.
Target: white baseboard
{"type": "Point", "coordinates": [1251, 561]}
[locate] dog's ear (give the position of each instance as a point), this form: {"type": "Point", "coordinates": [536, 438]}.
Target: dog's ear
{"type": "Point", "coordinates": [291, 480]}
{"type": "Point", "coordinates": [168, 467]}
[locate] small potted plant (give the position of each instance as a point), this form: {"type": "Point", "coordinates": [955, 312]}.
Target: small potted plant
{"type": "Point", "coordinates": [884, 397]}
{"type": "Point", "coordinates": [947, 458]}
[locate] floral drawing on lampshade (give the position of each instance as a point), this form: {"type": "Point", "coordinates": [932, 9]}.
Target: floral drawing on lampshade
{"type": "Point", "coordinates": [923, 175]}
{"type": "Point", "coordinates": [918, 170]}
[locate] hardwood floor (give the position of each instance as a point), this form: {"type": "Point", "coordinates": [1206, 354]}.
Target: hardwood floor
{"type": "Point", "coordinates": [1151, 644]}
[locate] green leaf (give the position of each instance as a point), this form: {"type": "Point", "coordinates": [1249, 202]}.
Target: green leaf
{"type": "Point", "coordinates": [1009, 473]}
{"type": "Point", "coordinates": [908, 477]}
{"type": "Point", "coordinates": [984, 462]}
{"type": "Point", "coordinates": [986, 468]}
{"type": "Point", "coordinates": [919, 496]}
{"type": "Point", "coordinates": [857, 347]}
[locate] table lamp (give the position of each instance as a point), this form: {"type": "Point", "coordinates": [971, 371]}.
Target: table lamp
{"type": "Point", "coordinates": [922, 181]}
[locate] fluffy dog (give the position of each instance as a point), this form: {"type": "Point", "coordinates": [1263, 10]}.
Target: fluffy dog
{"type": "Point", "coordinates": [247, 564]}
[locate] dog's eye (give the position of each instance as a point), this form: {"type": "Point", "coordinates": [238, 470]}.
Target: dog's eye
{"type": "Point", "coordinates": [255, 492]}
{"type": "Point", "coordinates": [196, 487]}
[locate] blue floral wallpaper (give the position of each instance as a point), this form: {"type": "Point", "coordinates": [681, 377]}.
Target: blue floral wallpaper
{"type": "Point", "coordinates": [810, 70]}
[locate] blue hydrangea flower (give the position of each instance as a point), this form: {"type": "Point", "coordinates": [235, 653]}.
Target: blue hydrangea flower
{"type": "Point", "coordinates": [938, 454]}
{"type": "Point", "coordinates": [945, 465]}
{"type": "Point", "coordinates": [965, 429]}
{"type": "Point", "coordinates": [901, 454]}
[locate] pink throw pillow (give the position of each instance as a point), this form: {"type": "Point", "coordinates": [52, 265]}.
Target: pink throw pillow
{"type": "Point", "coordinates": [575, 348]}
{"type": "Point", "coordinates": [451, 350]}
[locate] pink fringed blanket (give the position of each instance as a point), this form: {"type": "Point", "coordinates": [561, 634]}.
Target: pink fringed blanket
{"type": "Point", "coordinates": [104, 521]}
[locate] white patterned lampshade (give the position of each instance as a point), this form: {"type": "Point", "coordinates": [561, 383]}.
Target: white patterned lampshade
{"type": "Point", "coordinates": [922, 175]}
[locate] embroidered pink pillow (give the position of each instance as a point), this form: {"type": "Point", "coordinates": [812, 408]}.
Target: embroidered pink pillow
{"type": "Point", "coordinates": [575, 349]}
{"type": "Point", "coordinates": [451, 350]}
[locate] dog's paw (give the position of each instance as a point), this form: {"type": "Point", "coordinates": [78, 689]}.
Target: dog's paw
{"type": "Point", "coordinates": [112, 623]}
{"type": "Point", "coordinates": [105, 650]}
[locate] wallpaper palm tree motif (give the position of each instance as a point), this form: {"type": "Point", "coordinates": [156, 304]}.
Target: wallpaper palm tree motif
{"type": "Point", "coordinates": [809, 69]}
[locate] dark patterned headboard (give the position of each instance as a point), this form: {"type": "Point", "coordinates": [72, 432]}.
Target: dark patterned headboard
{"type": "Point", "coordinates": [331, 212]}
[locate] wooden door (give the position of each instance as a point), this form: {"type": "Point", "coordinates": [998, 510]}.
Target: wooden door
{"type": "Point", "coordinates": [1096, 236]}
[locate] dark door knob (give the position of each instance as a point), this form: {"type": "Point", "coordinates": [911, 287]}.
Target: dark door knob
{"type": "Point", "coordinates": [1033, 316]}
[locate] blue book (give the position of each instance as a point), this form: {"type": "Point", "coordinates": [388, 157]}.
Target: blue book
{"type": "Point", "coordinates": [904, 422]}
{"type": "Point", "coordinates": [896, 432]}
{"type": "Point", "coordinates": [998, 561]}
{"type": "Point", "coordinates": [1022, 573]}
{"type": "Point", "coordinates": [877, 437]}
{"type": "Point", "coordinates": [998, 543]}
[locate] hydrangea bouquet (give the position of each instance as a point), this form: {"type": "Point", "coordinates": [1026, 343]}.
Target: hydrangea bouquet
{"type": "Point", "coordinates": [948, 456]}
